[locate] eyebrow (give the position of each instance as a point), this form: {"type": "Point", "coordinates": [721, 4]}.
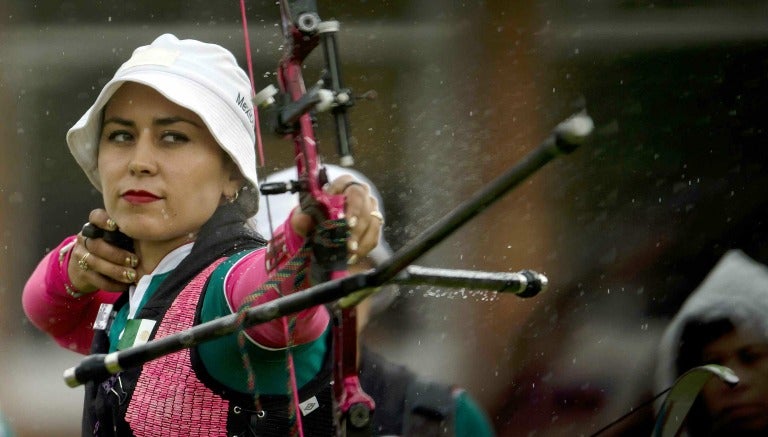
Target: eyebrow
{"type": "Point", "coordinates": [165, 121]}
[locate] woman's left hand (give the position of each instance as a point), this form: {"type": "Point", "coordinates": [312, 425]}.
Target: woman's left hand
{"type": "Point", "coordinates": [362, 214]}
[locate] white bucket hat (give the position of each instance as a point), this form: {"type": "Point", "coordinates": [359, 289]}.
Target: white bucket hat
{"type": "Point", "coordinates": [204, 78]}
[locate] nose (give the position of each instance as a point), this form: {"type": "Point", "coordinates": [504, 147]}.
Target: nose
{"type": "Point", "coordinates": [143, 161]}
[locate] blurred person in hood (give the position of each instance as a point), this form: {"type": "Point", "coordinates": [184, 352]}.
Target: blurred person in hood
{"type": "Point", "coordinates": [724, 321]}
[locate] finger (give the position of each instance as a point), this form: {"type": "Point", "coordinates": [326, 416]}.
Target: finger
{"type": "Point", "coordinates": [109, 252]}
{"type": "Point", "coordinates": [90, 263]}
{"type": "Point", "coordinates": [86, 280]}
{"type": "Point", "coordinates": [337, 185]}
{"type": "Point", "coordinates": [367, 216]}
{"type": "Point", "coordinates": [363, 242]}
{"type": "Point", "coordinates": [369, 238]}
{"type": "Point", "coordinates": [101, 282]}
{"type": "Point", "coordinates": [365, 234]}
{"type": "Point", "coordinates": [343, 183]}
{"type": "Point", "coordinates": [100, 218]}
{"type": "Point", "coordinates": [355, 207]}
{"type": "Point", "coordinates": [357, 203]}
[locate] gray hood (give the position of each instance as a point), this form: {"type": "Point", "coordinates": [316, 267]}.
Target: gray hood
{"type": "Point", "coordinates": [735, 289]}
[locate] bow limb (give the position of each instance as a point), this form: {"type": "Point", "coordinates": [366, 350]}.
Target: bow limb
{"type": "Point", "coordinates": [682, 395]}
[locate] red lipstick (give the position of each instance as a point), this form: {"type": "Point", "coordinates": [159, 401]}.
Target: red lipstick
{"type": "Point", "coordinates": [139, 197]}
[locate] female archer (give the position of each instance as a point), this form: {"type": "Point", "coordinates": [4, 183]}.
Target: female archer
{"type": "Point", "coordinates": [169, 144]}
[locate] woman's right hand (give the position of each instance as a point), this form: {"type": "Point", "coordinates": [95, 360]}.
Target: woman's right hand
{"type": "Point", "coordinates": [97, 265]}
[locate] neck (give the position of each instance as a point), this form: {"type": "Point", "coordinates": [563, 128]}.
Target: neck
{"type": "Point", "coordinates": [150, 253]}
{"type": "Point", "coordinates": [223, 231]}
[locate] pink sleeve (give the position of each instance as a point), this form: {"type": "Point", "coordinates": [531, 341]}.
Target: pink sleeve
{"type": "Point", "coordinates": [251, 271]}
{"type": "Point", "coordinates": [46, 303]}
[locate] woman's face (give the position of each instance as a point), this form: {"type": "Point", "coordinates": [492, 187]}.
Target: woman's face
{"type": "Point", "coordinates": [162, 173]}
{"type": "Point", "coordinates": [740, 409]}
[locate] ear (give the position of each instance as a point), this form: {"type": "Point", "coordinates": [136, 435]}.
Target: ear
{"type": "Point", "coordinates": [235, 180]}
{"type": "Point", "coordinates": [232, 188]}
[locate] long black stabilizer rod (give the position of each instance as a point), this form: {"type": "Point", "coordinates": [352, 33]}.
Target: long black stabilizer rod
{"type": "Point", "coordinates": [525, 283]}
{"type": "Point", "coordinates": [565, 138]}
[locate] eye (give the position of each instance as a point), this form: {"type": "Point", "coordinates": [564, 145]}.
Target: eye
{"type": "Point", "coordinates": [120, 136]}
{"type": "Point", "coordinates": [174, 137]}
{"type": "Point", "coordinates": [752, 355]}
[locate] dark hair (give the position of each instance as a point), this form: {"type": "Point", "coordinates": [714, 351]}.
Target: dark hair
{"type": "Point", "coordinates": [695, 337]}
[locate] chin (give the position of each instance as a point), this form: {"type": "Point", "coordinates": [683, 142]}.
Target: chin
{"type": "Point", "coordinates": [143, 231]}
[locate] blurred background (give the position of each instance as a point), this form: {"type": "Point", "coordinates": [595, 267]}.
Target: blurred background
{"type": "Point", "coordinates": [624, 228]}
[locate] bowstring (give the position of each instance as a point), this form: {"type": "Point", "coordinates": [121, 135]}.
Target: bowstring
{"type": "Point", "coordinates": [298, 272]}
{"type": "Point", "coordinates": [249, 61]}
{"type": "Point", "coordinates": [257, 124]}
{"type": "Point", "coordinates": [631, 412]}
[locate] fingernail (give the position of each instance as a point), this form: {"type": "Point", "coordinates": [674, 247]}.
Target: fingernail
{"type": "Point", "coordinates": [111, 225]}
{"type": "Point", "coordinates": [131, 261]}
{"type": "Point", "coordinates": [352, 259]}
{"type": "Point", "coordinates": [352, 221]}
{"type": "Point", "coordinates": [353, 245]}
{"type": "Point", "coordinates": [129, 275]}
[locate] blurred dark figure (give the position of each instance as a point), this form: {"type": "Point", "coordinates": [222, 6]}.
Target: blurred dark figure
{"type": "Point", "coordinates": [724, 321]}
{"type": "Point", "coordinates": [586, 363]}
